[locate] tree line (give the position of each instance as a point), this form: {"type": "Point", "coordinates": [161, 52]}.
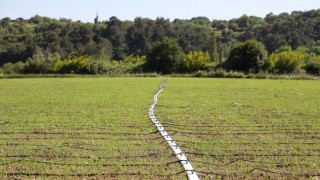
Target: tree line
{"type": "Point", "coordinates": [283, 43]}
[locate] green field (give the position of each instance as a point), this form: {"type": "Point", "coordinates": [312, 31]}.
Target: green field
{"type": "Point", "coordinates": [81, 127]}
{"type": "Point", "coordinates": [243, 128]}
{"type": "Point", "coordinates": [97, 128]}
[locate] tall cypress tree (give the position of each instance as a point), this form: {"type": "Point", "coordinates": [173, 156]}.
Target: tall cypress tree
{"type": "Point", "coordinates": [213, 47]}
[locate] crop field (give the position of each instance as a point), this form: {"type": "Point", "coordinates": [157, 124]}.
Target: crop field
{"type": "Point", "coordinates": [245, 129]}
{"type": "Point", "coordinates": [99, 128]}
{"type": "Point", "coordinates": [77, 128]}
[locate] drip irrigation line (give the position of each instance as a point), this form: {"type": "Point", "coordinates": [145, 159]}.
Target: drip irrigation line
{"type": "Point", "coordinates": [251, 154]}
{"type": "Point", "coordinates": [236, 131]}
{"type": "Point", "coordinates": [304, 175]}
{"type": "Point", "coordinates": [80, 133]}
{"type": "Point", "coordinates": [272, 163]}
{"type": "Point", "coordinates": [11, 162]}
{"type": "Point", "coordinates": [4, 123]}
{"type": "Point", "coordinates": [159, 164]}
{"type": "Point", "coordinates": [252, 161]}
{"type": "Point", "coordinates": [212, 173]}
{"type": "Point", "coordinates": [234, 125]}
{"type": "Point", "coordinates": [48, 146]}
{"type": "Point", "coordinates": [245, 143]}
{"type": "Point", "coordinates": [188, 169]}
{"type": "Point", "coordinates": [226, 150]}
{"type": "Point", "coordinates": [206, 163]}
{"type": "Point", "coordinates": [81, 138]}
{"type": "Point", "coordinates": [283, 173]}
{"type": "Point", "coordinates": [242, 133]}
{"type": "Point", "coordinates": [161, 152]}
{"type": "Point", "coordinates": [82, 148]}
{"type": "Point", "coordinates": [84, 174]}
{"type": "Point", "coordinates": [74, 128]}
{"type": "Point", "coordinates": [79, 124]}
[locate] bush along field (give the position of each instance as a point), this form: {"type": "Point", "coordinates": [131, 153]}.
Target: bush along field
{"type": "Point", "coordinates": [245, 129]}
{"type": "Point", "coordinates": [78, 128]}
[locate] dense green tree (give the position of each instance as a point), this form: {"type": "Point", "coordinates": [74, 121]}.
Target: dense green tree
{"type": "Point", "coordinates": [191, 37]}
{"type": "Point", "coordinates": [81, 38]}
{"type": "Point", "coordinates": [139, 36]}
{"type": "Point", "coordinates": [273, 42]}
{"type": "Point", "coordinates": [213, 47]}
{"type": "Point", "coordinates": [200, 20]}
{"type": "Point", "coordinates": [220, 24]}
{"type": "Point", "coordinates": [161, 30]}
{"type": "Point", "coordinates": [165, 57]}
{"type": "Point", "coordinates": [250, 56]}
{"type": "Point", "coordinates": [116, 33]}
{"type": "Point", "coordinates": [243, 21]}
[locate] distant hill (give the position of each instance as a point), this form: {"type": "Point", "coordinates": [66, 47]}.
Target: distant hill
{"type": "Point", "coordinates": [21, 38]}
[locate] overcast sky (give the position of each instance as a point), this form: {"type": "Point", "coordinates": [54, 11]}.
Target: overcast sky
{"type": "Point", "coordinates": [85, 10]}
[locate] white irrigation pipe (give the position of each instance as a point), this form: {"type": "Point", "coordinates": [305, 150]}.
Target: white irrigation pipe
{"type": "Point", "coordinates": [191, 173]}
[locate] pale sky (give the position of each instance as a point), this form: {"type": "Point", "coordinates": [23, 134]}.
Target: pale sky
{"type": "Point", "coordinates": [85, 10]}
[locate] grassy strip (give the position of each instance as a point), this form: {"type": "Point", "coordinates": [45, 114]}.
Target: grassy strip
{"type": "Point", "coordinates": [9, 76]}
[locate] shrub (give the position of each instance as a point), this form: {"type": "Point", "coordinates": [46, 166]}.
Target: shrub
{"type": "Point", "coordinates": [200, 74]}
{"type": "Point", "coordinates": [134, 59]}
{"type": "Point", "coordinates": [72, 65]}
{"type": "Point", "coordinates": [235, 75]}
{"type": "Point", "coordinates": [261, 76]}
{"type": "Point", "coordinates": [96, 66]}
{"type": "Point", "coordinates": [10, 68]}
{"type": "Point", "coordinates": [316, 50]}
{"type": "Point", "coordinates": [219, 73]}
{"type": "Point", "coordinates": [195, 60]}
{"type": "Point", "coordinates": [41, 63]}
{"type": "Point", "coordinates": [283, 49]}
{"type": "Point", "coordinates": [313, 66]}
{"type": "Point", "coordinates": [286, 62]}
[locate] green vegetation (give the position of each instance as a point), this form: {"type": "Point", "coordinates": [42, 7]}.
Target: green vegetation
{"type": "Point", "coordinates": [99, 128]}
{"type": "Point", "coordinates": [195, 61]}
{"type": "Point", "coordinates": [77, 128]}
{"type": "Point", "coordinates": [250, 56]}
{"type": "Point", "coordinates": [51, 64]}
{"type": "Point", "coordinates": [165, 57]}
{"type": "Point", "coordinates": [34, 45]}
{"type": "Point", "coordinates": [286, 62]}
{"type": "Point", "coordinates": [247, 129]}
